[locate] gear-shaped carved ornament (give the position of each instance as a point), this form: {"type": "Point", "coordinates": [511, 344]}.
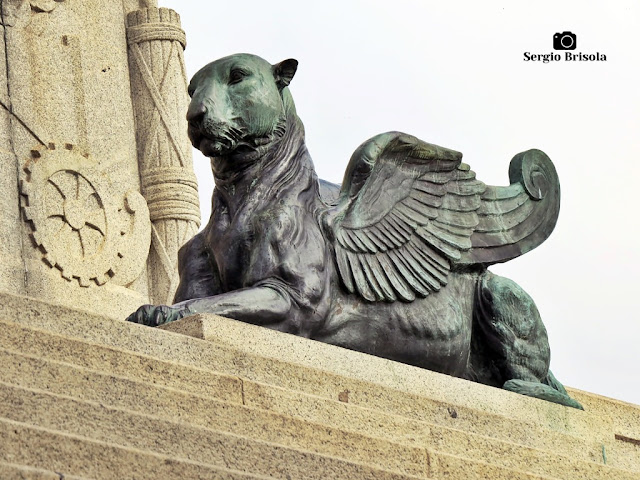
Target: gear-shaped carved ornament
{"type": "Point", "coordinates": [75, 222]}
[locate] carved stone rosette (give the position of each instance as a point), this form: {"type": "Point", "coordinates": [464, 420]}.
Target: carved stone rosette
{"type": "Point", "coordinates": [158, 83]}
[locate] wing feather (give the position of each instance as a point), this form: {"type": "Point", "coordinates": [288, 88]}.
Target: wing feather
{"type": "Point", "coordinates": [401, 287]}
{"type": "Point", "coordinates": [371, 278]}
{"type": "Point", "coordinates": [344, 269]}
{"type": "Point", "coordinates": [421, 270]}
{"type": "Point", "coordinates": [461, 231]}
{"type": "Point", "coordinates": [458, 219]}
{"type": "Point", "coordinates": [380, 245]}
{"type": "Point", "coordinates": [433, 259]}
{"type": "Point", "coordinates": [431, 277]}
{"type": "Point", "coordinates": [413, 204]}
{"type": "Point", "coordinates": [426, 198]}
{"type": "Point", "coordinates": [395, 237]}
{"type": "Point", "coordinates": [469, 203]}
{"type": "Point", "coordinates": [508, 220]}
{"type": "Point", "coordinates": [429, 187]}
{"type": "Point", "coordinates": [436, 242]}
{"type": "Point", "coordinates": [505, 205]}
{"type": "Point", "coordinates": [363, 238]}
{"type": "Point", "coordinates": [465, 173]}
{"type": "Point", "coordinates": [400, 228]}
{"type": "Point", "coordinates": [381, 237]}
{"type": "Point", "coordinates": [415, 284]}
{"type": "Point", "coordinates": [469, 187]}
{"type": "Point", "coordinates": [436, 177]}
{"type": "Point", "coordinates": [378, 272]}
{"type": "Point", "coordinates": [456, 241]}
{"type": "Point", "coordinates": [353, 234]}
{"type": "Point", "coordinates": [412, 215]}
{"type": "Point", "coordinates": [403, 220]}
{"type": "Point", "coordinates": [360, 280]}
{"type": "Point", "coordinates": [342, 236]}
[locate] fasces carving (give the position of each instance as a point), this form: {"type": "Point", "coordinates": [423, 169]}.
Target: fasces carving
{"type": "Point", "coordinates": [156, 42]}
{"type": "Point", "coordinates": [77, 221]}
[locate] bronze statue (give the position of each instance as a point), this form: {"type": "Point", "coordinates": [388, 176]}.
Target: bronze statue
{"type": "Point", "coordinates": [393, 263]}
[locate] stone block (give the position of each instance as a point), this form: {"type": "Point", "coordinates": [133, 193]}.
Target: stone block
{"type": "Point", "coordinates": [117, 362]}
{"type": "Point", "coordinates": [22, 472]}
{"type": "Point", "coordinates": [225, 434]}
{"type": "Point", "coordinates": [167, 430]}
{"type": "Point", "coordinates": [295, 376]}
{"type": "Point", "coordinates": [402, 389]}
{"type": "Point", "coordinates": [312, 388]}
{"type": "Point", "coordinates": [319, 426]}
{"type": "Point", "coordinates": [342, 419]}
{"type": "Point", "coordinates": [76, 456]}
{"type": "Point", "coordinates": [58, 377]}
{"type": "Point", "coordinates": [77, 229]}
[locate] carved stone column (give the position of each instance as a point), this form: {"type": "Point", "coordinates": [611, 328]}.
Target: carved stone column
{"type": "Point", "coordinates": [158, 86]}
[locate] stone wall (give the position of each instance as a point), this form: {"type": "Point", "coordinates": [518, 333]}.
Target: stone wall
{"type": "Point", "coordinates": [75, 228]}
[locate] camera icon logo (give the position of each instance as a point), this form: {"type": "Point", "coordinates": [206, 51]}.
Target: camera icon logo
{"type": "Point", "coordinates": [564, 41]}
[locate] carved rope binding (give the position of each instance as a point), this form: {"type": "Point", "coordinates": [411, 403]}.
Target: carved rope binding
{"type": "Point", "coordinates": [142, 26]}
{"type": "Point", "coordinates": [160, 185]}
{"type": "Point", "coordinates": [156, 31]}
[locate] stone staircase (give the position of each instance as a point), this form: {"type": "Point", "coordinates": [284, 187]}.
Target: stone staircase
{"type": "Point", "coordinates": [82, 396]}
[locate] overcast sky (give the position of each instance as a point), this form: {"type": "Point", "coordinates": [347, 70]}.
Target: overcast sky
{"type": "Point", "coordinates": [453, 73]}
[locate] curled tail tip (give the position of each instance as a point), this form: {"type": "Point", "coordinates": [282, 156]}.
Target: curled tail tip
{"type": "Point", "coordinates": [515, 219]}
{"type": "Point", "coordinates": [536, 172]}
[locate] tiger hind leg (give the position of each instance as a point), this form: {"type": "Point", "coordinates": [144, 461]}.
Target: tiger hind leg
{"type": "Point", "coordinates": [509, 346]}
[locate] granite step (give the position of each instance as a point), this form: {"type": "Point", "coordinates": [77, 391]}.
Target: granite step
{"type": "Point", "coordinates": [91, 422]}
{"type": "Point", "coordinates": [571, 464]}
{"type": "Point", "coordinates": [291, 362]}
{"type": "Point", "coordinates": [119, 362]}
{"type": "Point", "coordinates": [327, 371]}
{"type": "Point", "coordinates": [129, 367]}
{"type": "Point", "coordinates": [384, 384]}
{"type": "Point", "coordinates": [310, 375]}
{"type": "Point", "coordinates": [125, 359]}
{"type": "Point", "coordinates": [21, 472]}
{"type": "Point", "coordinates": [75, 456]}
{"type": "Point", "coordinates": [187, 434]}
{"type": "Point", "coordinates": [625, 451]}
{"type": "Point", "coordinates": [205, 411]}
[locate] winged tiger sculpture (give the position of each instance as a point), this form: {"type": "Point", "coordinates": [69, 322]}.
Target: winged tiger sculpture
{"type": "Point", "coordinates": [393, 262]}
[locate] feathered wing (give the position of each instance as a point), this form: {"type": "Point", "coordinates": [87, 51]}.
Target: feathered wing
{"type": "Point", "coordinates": [407, 212]}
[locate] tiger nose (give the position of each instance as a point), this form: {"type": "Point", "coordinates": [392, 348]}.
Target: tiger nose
{"type": "Point", "coordinates": [196, 111]}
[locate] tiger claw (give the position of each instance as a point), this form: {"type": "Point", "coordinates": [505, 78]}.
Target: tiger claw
{"type": "Point", "coordinates": [156, 315]}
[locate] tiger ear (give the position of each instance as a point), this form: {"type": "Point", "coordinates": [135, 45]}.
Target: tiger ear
{"type": "Point", "coordinates": [284, 71]}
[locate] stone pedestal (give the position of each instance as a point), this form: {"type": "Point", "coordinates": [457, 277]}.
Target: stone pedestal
{"type": "Point", "coordinates": [90, 397]}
